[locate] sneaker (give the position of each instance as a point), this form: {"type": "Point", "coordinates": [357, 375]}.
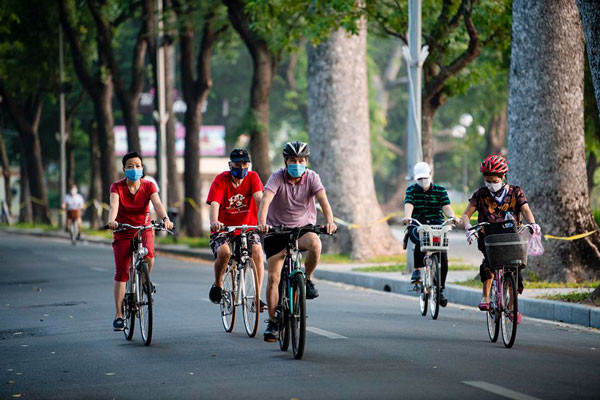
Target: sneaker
{"type": "Point", "coordinates": [416, 276]}
{"type": "Point", "coordinates": [263, 306]}
{"type": "Point", "coordinates": [484, 305]}
{"type": "Point", "coordinates": [311, 290]}
{"type": "Point", "coordinates": [443, 299]}
{"type": "Point", "coordinates": [215, 294]}
{"type": "Point", "coordinates": [119, 324]}
{"type": "Point", "coordinates": [271, 332]}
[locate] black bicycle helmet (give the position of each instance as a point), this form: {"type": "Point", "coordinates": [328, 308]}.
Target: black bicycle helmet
{"type": "Point", "coordinates": [296, 149]}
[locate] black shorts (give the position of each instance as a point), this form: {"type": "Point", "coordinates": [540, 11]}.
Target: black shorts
{"type": "Point", "coordinates": [275, 243]}
{"type": "Point", "coordinates": [219, 239]}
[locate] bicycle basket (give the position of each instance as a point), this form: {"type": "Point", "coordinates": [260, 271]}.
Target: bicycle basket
{"type": "Point", "coordinates": [434, 238]}
{"type": "Point", "coordinates": [506, 249]}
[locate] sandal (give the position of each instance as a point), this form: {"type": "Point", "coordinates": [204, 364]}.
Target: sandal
{"type": "Point", "coordinates": [510, 316]}
{"type": "Point", "coordinates": [484, 305]}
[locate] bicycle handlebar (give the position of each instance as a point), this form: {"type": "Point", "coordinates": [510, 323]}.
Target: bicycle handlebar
{"type": "Point", "coordinates": [153, 225]}
{"type": "Point", "coordinates": [230, 229]}
{"type": "Point", "coordinates": [446, 222]}
{"type": "Point", "coordinates": [318, 229]}
{"type": "Point", "coordinates": [480, 226]}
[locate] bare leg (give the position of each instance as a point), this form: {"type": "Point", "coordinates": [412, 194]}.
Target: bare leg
{"type": "Point", "coordinates": [119, 294]}
{"type": "Point", "coordinates": [487, 285]}
{"type": "Point", "coordinates": [275, 263]}
{"type": "Point", "coordinates": [150, 262]}
{"type": "Point", "coordinates": [223, 255]}
{"type": "Point", "coordinates": [312, 244]}
{"type": "Point", "coordinates": [257, 257]}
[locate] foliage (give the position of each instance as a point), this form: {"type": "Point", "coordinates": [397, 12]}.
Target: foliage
{"type": "Point", "coordinates": [402, 268]}
{"type": "Point", "coordinates": [574, 297]}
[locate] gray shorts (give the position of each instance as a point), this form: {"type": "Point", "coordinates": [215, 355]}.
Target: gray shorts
{"type": "Point", "coordinates": [219, 239]}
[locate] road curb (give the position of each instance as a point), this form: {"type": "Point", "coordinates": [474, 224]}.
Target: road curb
{"type": "Point", "coordinates": [536, 308]}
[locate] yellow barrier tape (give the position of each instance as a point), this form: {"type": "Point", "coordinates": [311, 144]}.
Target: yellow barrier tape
{"type": "Point", "coordinates": [569, 238]}
{"type": "Point", "coordinates": [192, 203]}
{"type": "Point", "coordinates": [356, 226]}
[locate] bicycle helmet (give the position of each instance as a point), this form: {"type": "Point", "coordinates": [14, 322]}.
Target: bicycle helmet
{"type": "Point", "coordinates": [296, 149]}
{"type": "Point", "coordinates": [494, 165]}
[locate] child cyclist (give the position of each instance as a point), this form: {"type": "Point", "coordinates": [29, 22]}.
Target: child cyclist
{"type": "Point", "coordinates": [427, 202]}
{"type": "Point", "coordinates": [495, 203]}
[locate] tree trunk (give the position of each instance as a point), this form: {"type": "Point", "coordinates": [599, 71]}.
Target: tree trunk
{"type": "Point", "coordinates": [106, 137]}
{"type": "Point", "coordinates": [590, 18]}
{"type": "Point", "coordinates": [546, 139]}
{"type": "Point", "coordinates": [339, 127]}
{"type": "Point", "coordinates": [95, 193]}
{"type": "Point", "coordinates": [591, 166]}
{"type": "Point", "coordinates": [496, 134]}
{"type": "Point", "coordinates": [192, 182]}
{"type": "Point", "coordinates": [129, 106]}
{"type": "Point", "coordinates": [25, 212]}
{"type": "Point", "coordinates": [5, 171]}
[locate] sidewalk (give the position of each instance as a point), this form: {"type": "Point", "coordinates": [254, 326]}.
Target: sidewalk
{"type": "Point", "coordinates": [396, 282]}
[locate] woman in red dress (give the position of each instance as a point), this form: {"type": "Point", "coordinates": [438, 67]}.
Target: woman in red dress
{"type": "Point", "coordinates": [130, 199]}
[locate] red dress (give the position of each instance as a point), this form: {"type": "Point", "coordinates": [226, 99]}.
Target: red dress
{"type": "Point", "coordinates": [134, 209]}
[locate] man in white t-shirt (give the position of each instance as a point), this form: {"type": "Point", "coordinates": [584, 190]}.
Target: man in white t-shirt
{"type": "Point", "coordinates": [73, 205]}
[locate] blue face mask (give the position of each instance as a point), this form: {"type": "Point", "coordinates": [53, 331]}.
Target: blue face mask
{"type": "Point", "coordinates": [296, 170]}
{"type": "Point", "coordinates": [134, 174]}
{"type": "Point", "coordinates": [239, 173]}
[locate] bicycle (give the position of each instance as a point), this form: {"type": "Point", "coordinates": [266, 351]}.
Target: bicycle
{"type": "Point", "coordinates": [74, 232]}
{"type": "Point", "coordinates": [138, 300]}
{"type": "Point", "coordinates": [434, 241]}
{"type": "Point", "coordinates": [291, 306]}
{"type": "Point", "coordinates": [240, 283]}
{"type": "Point", "coordinates": [506, 254]}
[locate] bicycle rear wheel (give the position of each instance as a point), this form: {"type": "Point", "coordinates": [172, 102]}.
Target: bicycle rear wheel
{"type": "Point", "coordinates": [508, 318]}
{"type": "Point", "coordinates": [492, 316]}
{"type": "Point", "coordinates": [227, 304]}
{"type": "Point", "coordinates": [298, 316]}
{"type": "Point", "coordinates": [424, 296]}
{"type": "Point", "coordinates": [145, 304]}
{"type": "Point", "coordinates": [251, 298]}
{"type": "Point", "coordinates": [434, 280]}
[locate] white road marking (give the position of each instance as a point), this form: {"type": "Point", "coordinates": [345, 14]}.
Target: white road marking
{"type": "Point", "coordinates": [499, 390]}
{"type": "Point", "coordinates": [325, 333]}
{"type": "Point", "coordinates": [98, 269]}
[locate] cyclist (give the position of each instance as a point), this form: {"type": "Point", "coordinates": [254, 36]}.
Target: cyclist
{"type": "Point", "coordinates": [495, 203]}
{"type": "Point", "coordinates": [74, 205]}
{"type": "Point", "coordinates": [129, 204]}
{"type": "Point", "coordinates": [426, 202]}
{"type": "Point", "coordinates": [233, 197]}
{"type": "Point", "coordinates": [288, 200]}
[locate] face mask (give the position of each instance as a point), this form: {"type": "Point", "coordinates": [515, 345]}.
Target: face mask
{"type": "Point", "coordinates": [296, 170]}
{"type": "Point", "coordinates": [134, 174]}
{"type": "Point", "coordinates": [494, 187]}
{"type": "Point", "coordinates": [239, 173]}
{"type": "Point", "coordinates": [425, 182]}
{"type": "Point", "coordinates": [73, 192]}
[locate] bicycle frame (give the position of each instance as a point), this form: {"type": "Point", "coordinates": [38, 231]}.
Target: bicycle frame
{"type": "Point", "coordinates": [240, 255]}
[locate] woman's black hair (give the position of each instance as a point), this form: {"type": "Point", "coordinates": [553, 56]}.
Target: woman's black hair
{"type": "Point", "coordinates": [133, 154]}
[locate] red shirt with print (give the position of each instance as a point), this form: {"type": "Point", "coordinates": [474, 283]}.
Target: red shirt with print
{"type": "Point", "coordinates": [134, 209]}
{"type": "Point", "coordinates": [237, 205]}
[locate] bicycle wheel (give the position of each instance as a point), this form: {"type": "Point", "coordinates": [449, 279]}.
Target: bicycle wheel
{"type": "Point", "coordinates": [508, 316]}
{"type": "Point", "coordinates": [227, 304]}
{"type": "Point", "coordinates": [251, 298]}
{"type": "Point", "coordinates": [298, 316]}
{"type": "Point", "coordinates": [73, 232]}
{"type": "Point", "coordinates": [128, 314]}
{"type": "Point", "coordinates": [424, 295]}
{"type": "Point", "coordinates": [145, 304]}
{"type": "Point", "coordinates": [283, 320]}
{"type": "Point", "coordinates": [434, 295]}
{"type": "Point", "coordinates": [492, 316]}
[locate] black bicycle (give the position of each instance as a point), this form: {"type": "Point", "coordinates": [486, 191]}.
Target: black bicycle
{"type": "Point", "coordinates": [138, 300]}
{"type": "Point", "coordinates": [291, 307]}
{"type": "Point", "coordinates": [240, 283]}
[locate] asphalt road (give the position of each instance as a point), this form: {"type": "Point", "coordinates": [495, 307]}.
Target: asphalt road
{"type": "Point", "coordinates": [56, 341]}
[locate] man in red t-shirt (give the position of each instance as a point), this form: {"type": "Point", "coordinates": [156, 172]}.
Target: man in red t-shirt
{"type": "Point", "coordinates": [233, 197]}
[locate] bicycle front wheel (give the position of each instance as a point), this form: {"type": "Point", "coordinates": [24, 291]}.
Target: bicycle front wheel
{"type": "Point", "coordinates": [434, 295]}
{"type": "Point", "coordinates": [128, 313]}
{"type": "Point", "coordinates": [227, 304]}
{"type": "Point", "coordinates": [251, 298]}
{"type": "Point", "coordinates": [492, 316]}
{"type": "Point", "coordinates": [145, 304]}
{"type": "Point", "coordinates": [298, 316]}
{"type": "Point", "coordinates": [508, 318]}
{"type": "Point", "coordinates": [283, 319]}
{"type": "Point", "coordinates": [73, 232]}
{"type": "Point", "coordinates": [424, 295]}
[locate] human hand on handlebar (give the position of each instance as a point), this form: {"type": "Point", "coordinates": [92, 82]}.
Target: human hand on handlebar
{"type": "Point", "coordinates": [537, 231]}
{"type": "Point", "coordinates": [168, 224]}
{"type": "Point", "coordinates": [216, 226]}
{"type": "Point", "coordinates": [113, 225]}
{"type": "Point", "coordinates": [263, 228]}
{"type": "Point", "coordinates": [471, 234]}
{"type": "Point", "coordinates": [331, 228]}
{"type": "Point", "coordinates": [405, 220]}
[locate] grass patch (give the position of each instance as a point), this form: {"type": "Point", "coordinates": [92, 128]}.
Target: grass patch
{"type": "Point", "coordinates": [345, 259]}
{"type": "Point", "coordinates": [382, 268]}
{"type": "Point", "coordinates": [473, 283]}
{"type": "Point", "coordinates": [538, 284]}
{"type": "Point", "coordinates": [185, 240]}
{"type": "Point", "coordinates": [581, 298]}
{"type": "Point", "coordinates": [462, 267]}
{"type": "Point", "coordinates": [26, 225]}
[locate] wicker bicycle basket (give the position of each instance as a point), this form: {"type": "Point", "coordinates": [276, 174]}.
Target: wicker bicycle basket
{"type": "Point", "coordinates": [506, 249]}
{"type": "Point", "coordinates": [434, 238]}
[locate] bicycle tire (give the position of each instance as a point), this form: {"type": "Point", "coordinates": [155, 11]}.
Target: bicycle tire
{"type": "Point", "coordinates": [298, 317]}
{"type": "Point", "coordinates": [128, 316]}
{"type": "Point", "coordinates": [508, 325]}
{"type": "Point", "coordinates": [146, 314]}
{"type": "Point", "coordinates": [73, 232]}
{"type": "Point", "coordinates": [283, 320]}
{"type": "Point", "coordinates": [434, 281]}
{"type": "Point", "coordinates": [250, 303]}
{"type": "Point", "coordinates": [227, 304]}
{"type": "Point", "coordinates": [423, 296]}
{"type": "Point", "coordinates": [492, 316]}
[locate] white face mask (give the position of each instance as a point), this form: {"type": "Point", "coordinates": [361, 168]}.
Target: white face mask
{"type": "Point", "coordinates": [494, 187]}
{"type": "Point", "coordinates": [424, 182]}
{"type": "Point", "coordinates": [73, 192]}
